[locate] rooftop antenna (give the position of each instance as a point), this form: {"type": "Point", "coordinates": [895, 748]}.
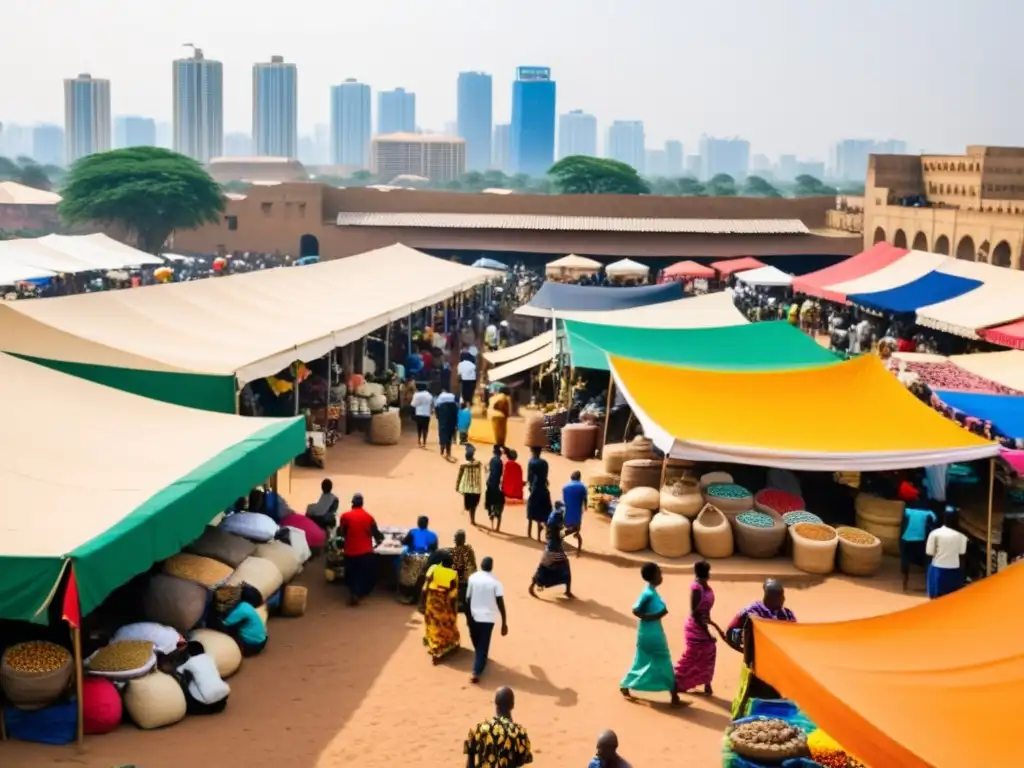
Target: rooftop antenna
{"type": "Point", "coordinates": [197, 53]}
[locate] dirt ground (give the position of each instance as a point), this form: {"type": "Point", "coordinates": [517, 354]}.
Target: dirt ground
{"type": "Point", "coordinates": [354, 686]}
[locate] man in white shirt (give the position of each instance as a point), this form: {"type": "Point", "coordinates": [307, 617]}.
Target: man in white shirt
{"type": "Point", "coordinates": [422, 406]}
{"type": "Point", "coordinates": [485, 602]}
{"type": "Point", "coordinates": [945, 546]}
{"type": "Point", "coordinates": [467, 378]}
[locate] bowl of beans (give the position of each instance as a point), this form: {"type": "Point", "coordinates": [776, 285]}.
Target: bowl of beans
{"type": "Point", "coordinates": [730, 498]}
{"type": "Point", "coordinates": [35, 674]}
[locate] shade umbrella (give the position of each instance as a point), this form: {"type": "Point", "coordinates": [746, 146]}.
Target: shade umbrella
{"type": "Point", "coordinates": [688, 269]}
{"type": "Point", "coordinates": [627, 268]}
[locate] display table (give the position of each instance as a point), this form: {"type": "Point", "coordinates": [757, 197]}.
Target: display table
{"type": "Point", "coordinates": [387, 555]}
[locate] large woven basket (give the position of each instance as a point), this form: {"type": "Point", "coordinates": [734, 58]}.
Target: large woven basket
{"type": "Point", "coordinates": [810, 556]}
{"type": "Point", "coordinates": [857, 559]}
{"type": "Point", "coordinates": [283, 556]}
{"type": "Point", "coordinates": [670, 535]}
{"type": "Point", "coordinates": [385, 428]}
{"type": "Point", "coordinates": [640, 447]}
{"type": "Point", "coordinates": [260, 573]}
{"type": "Point", "coordinates": [759, 542]}
{"type": "Point", "coordinates": [202, 570]}
{"type": "Point", "coordinates": [602, 480]}
{"type": "Point", "coordinates": [676, 469]}
{"type": "Point", "coordinates": [712, 534]}
{"type": "Point", "coordinates": [881, 518]}
{"type": "Point", "coordinates": [643, 497]}
{"type": "Point", "coordinates": [614, 455]}
{"type": "Point", "coordinates": [31, 690]}
{"type": "Point", "coordinates": [714, 477]}
{"type": "Point", "coordinates": [629, 528]}
{"type": "Point", "coordinates": [533, 431]}
{"type": "Point", "coordinates": [730, 505]}
{"type": "Point", "coordinates": [293, 601]}
{"type": "Point", "coordinates": [579, 441]}
{"type": "Point", "coordinates": [682, 497]}
{"type": "Point", "coordinates": [221, 648]}
{"type": "Point", "coordinates": [637, 473]}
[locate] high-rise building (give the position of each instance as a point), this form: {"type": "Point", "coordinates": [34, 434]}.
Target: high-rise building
{"type": "Point", "coordinates": [788, 167]}
{"type": "Point", "coordinates": [237, 144]}
{"type": "Point", "coordinates": [165, 135]}
{"type": "Point", "coordinates": [501, 159]}
{"type": "Point", "coordinates": [438, 158]}
{"type": "Point", "coordinates": [693, 166]}
{"type": "Point", "coordinates": [396, 111]}
{"type": "Point", "coordinates": [728, 156]}
{"type": "Point", "coordinates": [850, 156]}
{"type": "Point", "coordinates": [655, 163]}
{"type": "Point", "coordinates": [350, 124]}
{"type": "Point", "coordinates": [577, 134]}
{"type": "Point", "coordinates": [132, 131]}
{"type": "Point", "coordinates": [275, 108]}
{"type": "Point", "coordinates": [761, 165]}
{"type": "Point", "coordinates": [86, 117]}
{"type": "Point", "coordinates": [673, 158]}
{"type": "Point", "coordinates": [626, 143]}
{"type": "Point", "coordinates": [476, 118]}
{"type": "Point", "coordinates": [48, 144]}
{"type": "Point", "coordinates": [15, 140]}
{"type": "Point", "coordinates": [198, 107]}
{"type": "Point", "coordinates": [533, 121]}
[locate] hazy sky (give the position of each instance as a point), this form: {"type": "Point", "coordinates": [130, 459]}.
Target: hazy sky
{"type": "Point", "coordinates": [789, 75]}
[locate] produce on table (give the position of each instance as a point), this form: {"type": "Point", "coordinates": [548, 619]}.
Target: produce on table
{"type": "Point", "coordinates": [814, 531]}
{"type": "Point", "coordinates": [826, 751]}
{"type": "Point", "coordinates": [801, 516]}
{"type": "Point", "coordinates": [768, 739]}
{"type": "Point", "coordinates": [36, 657]}
{"type": "Point", "coordinates": [755, 519]}
{"type": "Point", "coordinates": [122, 656]}
{"type": "Point", "coordinates": [727, 491]}
{"type": "Point", "coordinates": [950, 376]}
{"type": "Point", "coordinates": [856, 536]}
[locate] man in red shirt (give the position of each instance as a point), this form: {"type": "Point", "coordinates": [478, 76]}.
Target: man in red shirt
{"type": "Point", "coordinates": [358, 530]}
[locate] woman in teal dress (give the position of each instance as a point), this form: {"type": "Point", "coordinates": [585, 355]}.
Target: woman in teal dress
{"type": "Point", "coordinates": [652, 670]}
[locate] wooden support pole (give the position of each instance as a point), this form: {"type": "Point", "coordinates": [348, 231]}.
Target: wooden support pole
{"type": "Point", "coordinates": [991, 499]}
{"type": "Point", "coordinates": [76, 639]}
{"type": "Point", "coordinates": [607, 414]}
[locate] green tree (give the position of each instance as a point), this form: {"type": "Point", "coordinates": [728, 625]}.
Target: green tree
{"type": "Point", "coordinates": [495, 180]}
{"type": "Point", "coordinates": [756, 186]}
{"type": "Point", "coordinates": [520, 182]}
{"type": "Point", "coordinates": [147, 191]}
{"type": "Point", "coordinates": [689, 187]}
{"type": "Point", "coordinates": [582, 175]}
{"type": "Point", "coordinates": [8, 168]}
{"type": "Point", "coordinates": [808, 186]}
{"type": "Point", "coordinates": [722, 185]}
{"type": "Point", "coordinates": [33, 175]}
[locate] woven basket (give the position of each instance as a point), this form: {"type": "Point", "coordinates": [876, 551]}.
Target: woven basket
{"type": "Point", "coordinates": [772, 501]}
{"type": "Point", "coordinates": [728, 505]}
{"type": "Point", "coordinates": [640, 473]}
{"type": "Point", "coordinates": [714, 477]}
{"type": "Point", "coordinates": [293, 602]}
{"type": "Point", "coordinates": [385, 428]}
{"type": "Point", "coordinates": [202, 570]}
{"type": "Point", "coordinates": [760, 542]}
{"type": "Point", "coordinates": [260, 573]}
{"type": "Point", "coordinates": [283, 556]}
{"type": "Point", "coordinates": [579, 441]}
{"type": "Point", "coordinates": [810, 556]}
{"type": "Point", "coordinates": [880, 518]}
{"type": "Point", "coordinates": [602, 479]}
{"type": "Point", "coordinates": [614, 455]}
{"type": "Point", "coordinates": [676, 469]}
{"type": "Point", "coordinates": [712, 534]}
{"type": "Point", "coordinates": [377, 403]}
{"type": "Point", "coordinates": [29, 690]}
{"type": "Point", "coordinates": [682, 497]}
{"type": "Point", "coordinates": [645, 498]}
{"type": "Point", "coordinates": [859, 559]}
{"type": "Point", "coordinates": [221, 648]}
{"type": "Point", "coordinates": [640, 447]}
{"type": "Point", "coordinates": [670, 535]}
{"type": "Point", "coordinates": [629, 529]}
{"type": "Point", "coordinates": [533, 431]}
{"type": "Point", "coordinates": [155, 701]}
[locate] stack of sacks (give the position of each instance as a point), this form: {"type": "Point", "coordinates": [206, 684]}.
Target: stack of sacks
{"type": "Point", "coordinates": [250, 525]}
{"type": "Point", "coordinates": [221, 545]}
{"type": "Point", "coordinates": [176, 603]}
{"type": "Point", "coordinates": [316, 537]}
{"type": "Point", "coordinates": [262, 574]}
{"type": "Point", "coordinates": [284, 557]}
{"type": "Point", "coordinates": [222, 648]}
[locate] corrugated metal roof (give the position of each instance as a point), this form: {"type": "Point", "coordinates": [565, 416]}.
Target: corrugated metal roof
{"type": "Point", "coordinates": [575, 223]}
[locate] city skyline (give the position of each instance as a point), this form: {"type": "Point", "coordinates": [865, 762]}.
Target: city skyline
{"type": "Point", "coordinates": [728, 79]}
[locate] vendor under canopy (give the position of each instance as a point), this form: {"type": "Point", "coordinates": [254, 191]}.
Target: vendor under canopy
{"type": "Point", "coordinates": [410, 567]}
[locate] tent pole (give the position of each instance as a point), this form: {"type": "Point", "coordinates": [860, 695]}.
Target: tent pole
{"type": "Point", "coordinates": [991, 498]}
{"type": "Point", "coordinates": [607, 414]}
{"type": "Point", "coordinates": [387, 347]}
{"type": "Point", "coordinates": [664, 471]}
{"type": "Point", "coordinates": [409, 336]}
{"type": "Point", "coordinates": [238, 398]}
{"type": "Point", "coordinates": [76, 639]}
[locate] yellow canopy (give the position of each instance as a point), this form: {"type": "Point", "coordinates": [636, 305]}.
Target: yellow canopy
{"type": "Point", "coordinates": [853, 416]}
{"type": "Point", "coordinates": [921, 688]}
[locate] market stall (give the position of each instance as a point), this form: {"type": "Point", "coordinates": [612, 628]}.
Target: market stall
{"type": "Point", "coordinates": [908, 268]}
{"type": "Point", "coordinates": [994, 303]}
{"type": "Point", "coordinates": [1005, 412]}
{"type": "Point", "coordinates": [728, 267]}
{"type": "Point", "coordinates": [516, 351]}
{"type": "Point", "coordinates": [1008, 335]}
{"type": "Point", "coordinates": [557, 298]}
{"type": "Point", "coordinates": [878, 256]}
{"type": "Point", "coordinates": [70, 254]}
{"type": "Point", "coordinates": [197, 343]}
{"type": "Point", "coordinates": [890, 694]}
{"type": "Point", "coordinates": [711, 310]}
{"type": "Point", "coordinates": [1004, 368]}
{"type": "Point", "coordinates": [931, 288]}
{"type": "Point", "coordinates": [627, 269]}
{"type": "Point", "coordinates": [571, 266]}
{"type": "Point", "coordinates": [688, 270]}
{"type": "Point", "coordinates": [765, 277]}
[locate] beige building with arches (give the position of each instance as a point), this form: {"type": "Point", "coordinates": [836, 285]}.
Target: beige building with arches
{"type": "Point", "coordinates": [969, 206]}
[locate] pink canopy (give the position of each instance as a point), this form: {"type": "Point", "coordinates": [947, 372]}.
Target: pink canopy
{"type": "Point", "coordinates": [864, 263]}
{"type": "Point", "coordinates": [684, 269]}
{"type": "Point", "coordinates": [1010, 335]}
{"type": "Point", "coordinates": [727, 267]}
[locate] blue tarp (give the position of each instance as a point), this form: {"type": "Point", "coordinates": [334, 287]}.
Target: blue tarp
{"type": "Point", "coordinates": [586, 298]}
{"type": "Point", "coordinates": [1006, 412]}
{"type": "Point", "coordinates": [929, 289]}
{"type": "Point", "coordinates": [486, 263]}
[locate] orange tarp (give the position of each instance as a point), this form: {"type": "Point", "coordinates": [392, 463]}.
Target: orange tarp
{"type": "Point", "coordinates": [935, 686]}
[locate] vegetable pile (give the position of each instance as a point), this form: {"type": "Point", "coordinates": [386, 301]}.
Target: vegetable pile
{"type": "Point", "coordinates": [768, 739]}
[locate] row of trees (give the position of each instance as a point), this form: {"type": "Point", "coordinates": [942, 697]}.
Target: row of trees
{"type": "Point", "coordinates": [27, 171]}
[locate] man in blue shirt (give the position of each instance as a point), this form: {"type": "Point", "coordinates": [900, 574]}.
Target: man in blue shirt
{"type": "Point", "coordinates": [574, 496]}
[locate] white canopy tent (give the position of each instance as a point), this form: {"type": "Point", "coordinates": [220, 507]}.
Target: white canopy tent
{"type": "Point", "coordinates": [507, 354]}
{"type": "Point", "coordinates": [65, 253]}
{"type": "Point", "coordinates": [572, 266]}
{"type": "Point", "coordinates": [627, 268]}
{"type": "Point", "coordinates": [765, 277]}
{"type": "Point", "coordinates": [710, 310]}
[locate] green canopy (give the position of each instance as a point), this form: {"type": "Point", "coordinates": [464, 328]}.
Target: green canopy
{"type": "Point", "coordinates": [110, 482]}
{"type": "Point", "coordinates": [765, 346]}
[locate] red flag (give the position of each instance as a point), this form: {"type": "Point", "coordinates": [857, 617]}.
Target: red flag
{"type": "Point", "coordinates": [72, 612]}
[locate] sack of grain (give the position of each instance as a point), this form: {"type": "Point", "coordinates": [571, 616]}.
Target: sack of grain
{"type": "Point", "coordinates": [670, 535]}
{"type": "Point", "coordinates": [602, 480]}
{"type": "Point", "coordinates": [714, 477]}
{"type": "Point", "coordinates": [385, 428]}
{"type": "Point", "coordinates": [202, 570]}
{"type": "Point", "coordinates": [759, 534]}
{"type": "Point", "coordinates": [164, 639]}
{"type": "Point", "coordinates": [730, 498]}
{"type": "Point", "coordinates": [814, 547]}
{"type": "Point", "coordinates": [640, 473]}
{"type": "Point", "coordinates": [251, 525]}
{"type": "Point", "coordinates": [223, 546]}
{"type": "Point", "coordinates": [640, 447]}
{"type": "Point", "coordinates": [221, 648]}
{"type": "Point", "coordinates": [676, 469]}
{"type": "Point", "coordinates": [881, 518]}
{"type": "Point", "coordinates": [316, 537]}
{"type": "Point", "coordinates": [860, 552]}
{"type": "Point", "coordinates": [646, 498]}
{"type": "Point", "coordinates": [712, 535]}
{"type": "Point", "coordinates": [178, 603]}
{"type": "Point", "coordinates": [629, 529]}
{"type": "Point", "coordinates": [102, 708]}
{"type": "Point", "coordinates": [293, 601]}
{"type": "Point", "coordinates": [260, 573]}
{"type": "Point", "coordinates": [35, 674]}
{"type": "Point", "coordinates": [579, 441]}
{"type": "Point", "coordinates": [682, 497]}
{"type": "Point", "coordinates": [155, 701]}
{"type": "Point", "coordinates": [284, 557]}
{"type": "Point", "coordinates": [377, 403]}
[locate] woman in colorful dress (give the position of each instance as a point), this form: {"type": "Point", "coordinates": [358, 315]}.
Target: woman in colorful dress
{"type": "Point", "coordinates": [500, 410]}
{"type": "Point", "coordinates": [440, 618]}
{"type": "Point", "coordinates": [538, 506]}
{"type": "Point", "coordinates": [696, 667]}
{"type": "Point", "coordinates": [554, 567]}
{"type": "Point", "coordinates": [652, 664]}
{"type": "Point", "coordinates": [411, 566]}
{"type": "Point", "coordinates": [464, 563]}
{"type": "Point", "coordinates": [512, 478]}
{"type": "Point", "coordinates": [470, 483]}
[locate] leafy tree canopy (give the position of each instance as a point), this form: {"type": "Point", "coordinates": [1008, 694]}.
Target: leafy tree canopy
{"type": "Point", "coordinates": [582, 175]}
{"type": "Point", "coordinates": [808, 186]}
{"type": "Point", "coordinates": [147, 191]}
{"type": "Point", "coordinates": [756, 186]}
{"type": "Point", "coordinates": [26, 171]}
{"type": "Point", "coordinates": [722, 185]}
